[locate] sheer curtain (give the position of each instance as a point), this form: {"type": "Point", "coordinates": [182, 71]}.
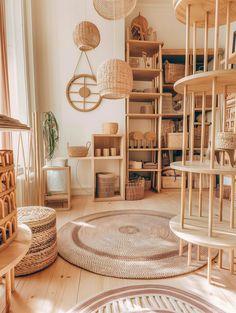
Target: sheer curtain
{"type": "Point", "coordinates": [4, 77]}
{"type": "Point", "coordinates": [18, 53]}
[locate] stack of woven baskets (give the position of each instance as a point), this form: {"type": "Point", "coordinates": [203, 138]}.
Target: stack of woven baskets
{"type": "Point", "coordinates": [43, 250]}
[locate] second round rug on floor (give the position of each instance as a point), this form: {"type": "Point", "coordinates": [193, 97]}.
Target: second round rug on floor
{"type": "Point", "coordinates": [126, 244]}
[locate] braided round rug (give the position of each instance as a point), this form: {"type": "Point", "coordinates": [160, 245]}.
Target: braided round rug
{"type": "Point", "coordinates": [126, 244]}
{"type": "Point", "coordinates": [146, 299]}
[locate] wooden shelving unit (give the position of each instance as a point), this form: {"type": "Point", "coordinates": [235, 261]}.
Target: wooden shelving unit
{"type": "Point", "coordinates": [210, 229]}
{"type": "Point", "coordinates": [112, 164]}
{"type": "Point", "coordinates": [153, 77]}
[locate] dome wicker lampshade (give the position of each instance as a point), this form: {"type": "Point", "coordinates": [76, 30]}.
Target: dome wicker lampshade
{"type": "Point", "coordinates": [114, 9]}
{"type": "Point", "coordinates": [114, 79]}
{"type": "Point", "coordinates": [86, 36]}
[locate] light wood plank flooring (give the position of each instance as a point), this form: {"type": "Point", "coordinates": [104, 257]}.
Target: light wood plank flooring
{"type": "Point", "coordinates": [62, 285]}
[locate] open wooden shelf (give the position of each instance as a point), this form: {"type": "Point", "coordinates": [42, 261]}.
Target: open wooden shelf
{"type": "Point", "coordinates": [115, 198]}
{"type": "Point", "coordinates": [196, 231]}
{"type": "Point", "coordinates": [143, 170]}
{"type": "Point", "coordinates": [143, 149]}
{"type": "Point", "coordinates": [145, 74]}
{"type": "Point", "coordinates": [136, 47]}
{"type": "Point", "coordinates": [118, 157]}
{"type": "Point", "coordinates": [180, 52]}
{"type": "Point", "coordinates": [54, 197]}
{"type": "Point", "coordinates": [145, 96]}
{"type": "Point", "coordinates": [202, 82]}
{"type": "Point", "coordinates": [204, 168]}
{"type": "Point", "coordinates": [142, 116]}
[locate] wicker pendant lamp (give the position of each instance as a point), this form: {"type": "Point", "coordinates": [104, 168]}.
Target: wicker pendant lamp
{"type": "Point", "coordinates": [86, 36]}
{"type": "Point", "coordinates": [114, 79]}
{"type": "Point", "coordinates": [114, 9]}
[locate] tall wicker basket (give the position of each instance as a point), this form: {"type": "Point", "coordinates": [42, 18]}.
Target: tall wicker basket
{"type": "Point", "coordinates": [8, 213]}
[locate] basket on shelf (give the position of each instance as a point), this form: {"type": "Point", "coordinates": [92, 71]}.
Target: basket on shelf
{"type": "Point", "coordinates": [197, 136]}
{"type": "Point", "coordinates": [148, 184]}
{"type": "Point", "coordinates": [175, 140]}
{"type": "Point", "coordinates": [110, 128]}
{"type": "Point", "coordinates": [173, 72]}
{"type": "Point", "coordinates": [134, 190]}
{"type": "Point", "coordinates": [105, 185]}
{"type": "Point", "coordinates": [78, 151]}
{"type": "Point", "coordinates": [8, 213]}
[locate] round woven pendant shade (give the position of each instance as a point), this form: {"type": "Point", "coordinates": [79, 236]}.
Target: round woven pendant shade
{"type": "Point", "coordinates": [114, 79]}
{"type": "Point", "coordinates": [114, 9]}
{"type": "Point", "coordinates": [86, 36]}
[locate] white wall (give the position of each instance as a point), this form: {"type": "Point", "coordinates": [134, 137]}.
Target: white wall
{"type": "Point", "coordinates": [161, 16]}
{"type": "Point", "coordinates": [56, 57]}
{"type": "Point", "coordinates": [55, 60]}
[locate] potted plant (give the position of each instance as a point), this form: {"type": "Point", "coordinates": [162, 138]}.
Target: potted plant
{"type": "Point", "coordinates": [56, 180]}
{"type": "Point", "coordinates": [50, 134]}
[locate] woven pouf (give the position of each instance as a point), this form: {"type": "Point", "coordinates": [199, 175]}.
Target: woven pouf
{"type": "Point", "coordinates": [43, 250]}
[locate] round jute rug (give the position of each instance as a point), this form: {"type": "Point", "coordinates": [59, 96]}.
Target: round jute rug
{"type": "Point", "coordinates": [148, 299]}
{"type": "Point", "coordinates": [126, 244]}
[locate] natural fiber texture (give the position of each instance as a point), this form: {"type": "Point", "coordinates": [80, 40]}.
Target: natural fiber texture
{"type": "Point", "coordinates": [110, 128]}
{"type": "Point", "coordinates": [173, 72]}
{"type": "Point", "coordinates": [126, 244]}
{"type": "Point", "coordinates": [114, 9]}
{"type": "Point", "coordinates": [147, 298]}
{"type": "Point", "coordinates": [43, 250]}
{"type": "Point", "coordinates": [134, 190]}
{"type": "Point", "coordinates": [226, 140]}
{"type": "Point", "coordinates": [114, 79]}
{"type": "Point", "coordinates": [105, 185]}
{"type": "Point", "coordinates": [86, 36]}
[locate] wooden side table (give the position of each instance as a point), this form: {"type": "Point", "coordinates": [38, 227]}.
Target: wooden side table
{"type": "Point", "coordinates": [10, 257]}
{"type": "Point", "coordinates": [58, 197]}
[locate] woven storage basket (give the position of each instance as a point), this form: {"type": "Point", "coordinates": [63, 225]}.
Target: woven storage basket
{"type": "Point", "coordinates": [110, 128]}
{"type": "Point", "coordinates": [175, 140]}
{"type": "Point", "coordinates": [43, 250]}
{"type": "Point", "coordinates": [171, 182]}
{"type": "Point", "coordinates": [148, 184]}
{"type": "Point", "coordinates": [134, 190]}
{"type": "Point", "coordinates": [8, 213]}
{"type": "Point", "coordinates": [226, 140]}
{"type": "Point", "coordinates": [173, 72]}
{"type": "Point", "coordinates": [114, 79]}
{"type": "Point", "coordinates": [114, 9]}
{"type": "Point", "coordinates": [86, 36]}
{"type": "Point", "coordinates": [78, 151]}
{"type": "Point", "coordinates": [198, 134]}
{"type": "Point", "coordinates": [105, 185]}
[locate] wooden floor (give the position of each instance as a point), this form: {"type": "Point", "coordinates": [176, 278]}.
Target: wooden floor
{"type": "Point", "coordinates": [61, 286]}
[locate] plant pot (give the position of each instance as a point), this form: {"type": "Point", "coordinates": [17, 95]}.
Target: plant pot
{"type": "Point", "coordinates": [56, 180]}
